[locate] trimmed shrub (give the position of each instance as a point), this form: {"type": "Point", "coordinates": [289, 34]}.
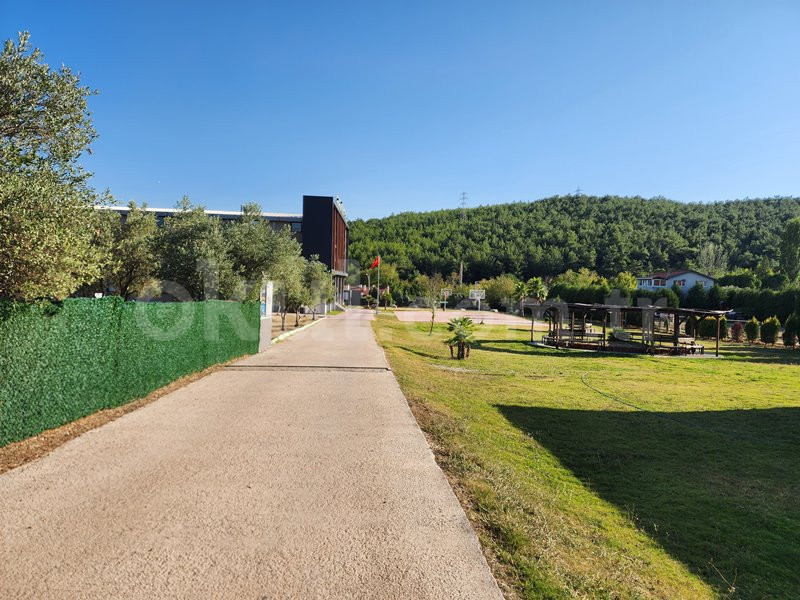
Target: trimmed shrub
{"type": "Point", "coordinates": [708, 328]}
{"type": "Point", "coordinates": [723, 328]}
{"type": "Point", "coordinates": [737, 331]}
{"type": "Point", "coordinates": [751, 329]}
{"type": "Point", "coordinates": [791, 330]}
{"type": "Point", "coordinates": [769, 330]}
{"type": "Point", "coordinates": [60, 362]}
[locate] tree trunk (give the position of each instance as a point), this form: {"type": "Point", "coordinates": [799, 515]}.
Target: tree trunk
{"type": "Point", "coordinates": [283, 320]}
{"type": "Point", "coordinates": [297, 317]}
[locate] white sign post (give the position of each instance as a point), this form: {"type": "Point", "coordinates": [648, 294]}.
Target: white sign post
{"type": "Point", "coordinates": [477, 295]}
{"type": "Point", "coordinates": [445, 295]}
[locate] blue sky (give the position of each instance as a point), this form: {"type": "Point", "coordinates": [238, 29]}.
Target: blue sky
{"type": "Point", "coordinates": [397, 106]}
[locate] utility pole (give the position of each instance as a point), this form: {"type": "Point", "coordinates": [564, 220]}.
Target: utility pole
{"type": "Point", "coordinates": [464, 197]}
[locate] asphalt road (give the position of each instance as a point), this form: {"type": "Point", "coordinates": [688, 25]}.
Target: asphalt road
{"type": "Point", "coordinates": [297, 473]}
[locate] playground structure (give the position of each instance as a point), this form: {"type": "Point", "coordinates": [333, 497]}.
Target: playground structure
{"type": "Point", "coordinates": [628, 329]}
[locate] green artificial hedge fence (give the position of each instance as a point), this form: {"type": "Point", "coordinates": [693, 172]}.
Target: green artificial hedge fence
{"type": "Point", "coordinates": [60, 362]}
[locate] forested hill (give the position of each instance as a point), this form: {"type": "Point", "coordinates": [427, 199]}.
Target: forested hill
{"type": "Point", "coordinates": [608, 234]}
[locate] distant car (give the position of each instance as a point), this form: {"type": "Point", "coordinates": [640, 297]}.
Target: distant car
{"type": "Point", "coordinates": [739, 315]}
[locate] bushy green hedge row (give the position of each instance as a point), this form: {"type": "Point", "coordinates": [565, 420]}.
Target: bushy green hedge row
{"type": "Point", "coordinates": [61, 362]}
{"type": "Point", "coordinates": [597, 294]}
{"type": "Point", "coordinates": [761, 303]}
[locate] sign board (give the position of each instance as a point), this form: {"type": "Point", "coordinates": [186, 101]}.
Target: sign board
{"type": "Point", "coordinates": [445, 293]}
{"type": "Point", "coordinates": [477, 294]}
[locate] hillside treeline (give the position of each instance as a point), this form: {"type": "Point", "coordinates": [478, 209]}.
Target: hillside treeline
{"type": "Point", "coordinates": [607, 234]}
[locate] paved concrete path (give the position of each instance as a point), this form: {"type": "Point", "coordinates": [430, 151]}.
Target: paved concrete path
{"type": "Point", "coordinates": [443, 316]}
{"type": "Point", "coordinates": [283, 477]}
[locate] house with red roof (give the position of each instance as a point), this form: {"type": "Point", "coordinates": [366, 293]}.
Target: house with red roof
{"type": "Point", "coordinates": [684, 279]}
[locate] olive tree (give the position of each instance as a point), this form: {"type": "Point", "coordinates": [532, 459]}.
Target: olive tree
{"type": "Point", "coordinates": [133, 261]}
{"type": "Point", "coordinates": [286, 273]}
{"type": "Point", "coordinates": [254, 246]}
{"type": "Point", "coordinates": [48, 225]}
{"type": "Point", "coordinates": [318, 284]}
{"type": "Point", "coordinates": [431, 288]}
{"type": "Point", "coordinates": [193, 253]}
{"type": "Point", "coordinates": [47, 237]}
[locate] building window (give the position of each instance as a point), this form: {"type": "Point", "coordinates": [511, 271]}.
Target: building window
{"type": "Point", "coordinates": [297, 227]}
{"type": "Point", "coordinates": [658, 283]}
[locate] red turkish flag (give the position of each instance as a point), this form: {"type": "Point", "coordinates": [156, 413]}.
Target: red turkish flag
{"type": "Point", "coordinates": [376, 262]}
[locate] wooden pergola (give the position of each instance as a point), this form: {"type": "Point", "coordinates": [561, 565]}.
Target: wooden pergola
{"type": "Point", "coordinates": [579, 333]}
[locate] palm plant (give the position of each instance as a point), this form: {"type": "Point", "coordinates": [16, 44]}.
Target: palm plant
{"type": "Point", "coordinates": [463, 336]}
{"type": "Point", "coordinates": [521, 292]}
{"type": "Point", "coordinates": [537, 290]}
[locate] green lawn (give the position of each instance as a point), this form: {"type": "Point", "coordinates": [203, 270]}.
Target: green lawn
{"type": "Point", "coordinates": [616, 476]}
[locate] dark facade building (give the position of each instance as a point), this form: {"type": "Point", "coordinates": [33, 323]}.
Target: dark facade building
{"type": "Point", "coordinates": [325, 234]}
{"type": "Point", "coordinates": [321, 229]}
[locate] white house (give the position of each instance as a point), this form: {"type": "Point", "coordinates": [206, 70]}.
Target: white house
{"type": "Point", "coordinates": [683, 278]}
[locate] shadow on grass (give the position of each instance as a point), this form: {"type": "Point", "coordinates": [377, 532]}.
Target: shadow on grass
{"type": "Point", "coordinates": [761, 355]}
{"type": "Point", "coordinates": [755, 354]}
{"type": "Point", "coordinates": [718, 490]}
{"type": "Point", "coordinates": [525, 348]}
{"type": "Point", "coordinates": [495, 345]}
{"type": "Point", "coordinates": [424, 354]}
